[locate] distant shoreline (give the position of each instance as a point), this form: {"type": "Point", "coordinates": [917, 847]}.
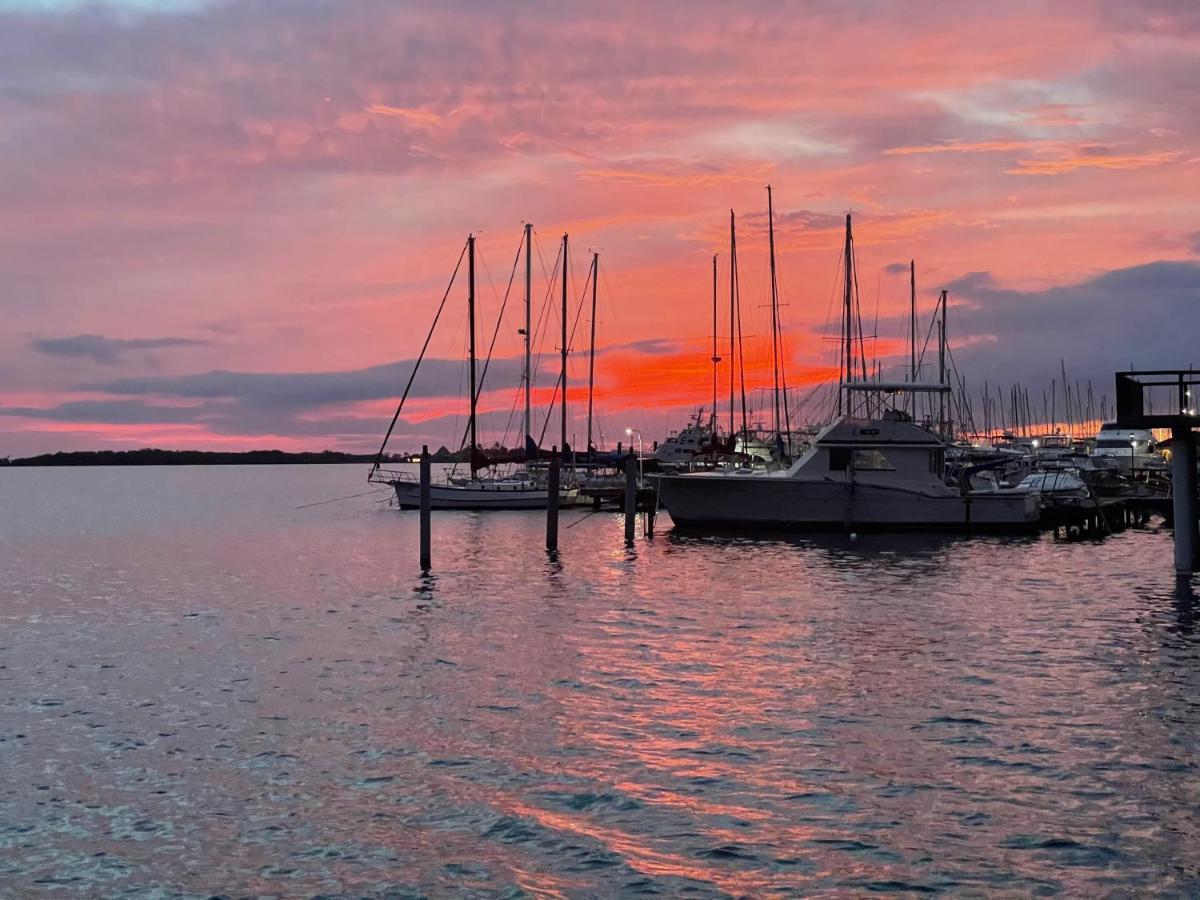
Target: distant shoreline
{"type": "Point", "coordinates": [153, 457]}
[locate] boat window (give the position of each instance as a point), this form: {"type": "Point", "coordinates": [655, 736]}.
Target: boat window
{"type": "Point", "coordinates": [937, 462]}
{"type": "Point", "coordinates": [1111, 442]}
{"type": "Point", "coordinates": [839, 459]}
{"type": "Point", "coordinates": [872, 460]}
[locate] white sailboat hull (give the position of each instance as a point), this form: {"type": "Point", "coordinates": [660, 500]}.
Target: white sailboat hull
{"type": "Point", "coordinates": [805, 504]}
{"type": "Point", "coordinates": [481, 495]}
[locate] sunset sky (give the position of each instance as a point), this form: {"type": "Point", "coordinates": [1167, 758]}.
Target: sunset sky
{"type": "Point", "coordinates": [228, 225]}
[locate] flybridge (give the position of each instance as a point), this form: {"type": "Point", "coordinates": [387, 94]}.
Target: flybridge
{"type": "Point", "coordinates": [1176, 389]}
{"type": "Point", "coordinates": [1179, 390]}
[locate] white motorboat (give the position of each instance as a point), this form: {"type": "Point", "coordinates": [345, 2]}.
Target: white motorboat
{"type": "Point", "coordinates": [860, 474]}
{"type": "Point", "coordinates": [1055, 484]}
{"type": "Point", "coordinates": [1126, 449]}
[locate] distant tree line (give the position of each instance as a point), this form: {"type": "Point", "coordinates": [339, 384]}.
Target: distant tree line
{"type": "Point", "coordinates": [154, 457]}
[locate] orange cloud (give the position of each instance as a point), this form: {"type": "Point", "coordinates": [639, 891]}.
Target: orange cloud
{"type": "Point", "coordinates": [420, 116]}
{"type": "Point", "coordinates": [1098, 159]}
{"type": "Point", "coordinates": [995, 146]}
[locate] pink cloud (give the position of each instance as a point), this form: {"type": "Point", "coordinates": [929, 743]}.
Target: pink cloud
{"type": "Point", "coordinates": [287, 186]}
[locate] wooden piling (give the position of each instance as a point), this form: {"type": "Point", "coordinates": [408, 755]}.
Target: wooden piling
{"type": "Point", "coordinates": [426, 506]}
{"type": "Point", "coordinates": [630, 497]}
{"type": "Point", "coordinates": [552, 503]}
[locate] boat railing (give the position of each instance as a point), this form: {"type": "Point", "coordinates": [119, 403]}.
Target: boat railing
{"type": "Point", "coordinates": [391, 476]}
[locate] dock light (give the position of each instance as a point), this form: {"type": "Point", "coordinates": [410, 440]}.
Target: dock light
{"type": "Point", "coordinates": [641, 451]}
{"type": "Point", "coordinates": [1035, 443]}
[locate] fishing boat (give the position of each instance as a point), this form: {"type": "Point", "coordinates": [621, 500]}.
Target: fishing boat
{"type": "Point", "coordinates": [870, 469]}
{"type": "Point", "coordinates": [860, 474]}
{"type": "Point", "coordinates": [526, 488]}
{"type": "Point", "coordinates": [685, 445]}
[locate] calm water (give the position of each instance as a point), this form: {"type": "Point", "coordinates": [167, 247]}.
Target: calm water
{"type": "Point", "coordinates": [204, 690]}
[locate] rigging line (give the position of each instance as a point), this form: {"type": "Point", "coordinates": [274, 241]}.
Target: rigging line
{"type": "Point", "coordinates": [612, 310]}
{"type": "Point", "coordinates": [862, 346]}
{"type": "Point", "coordinates": [579, 309]}
{"type": "Point", "coordinates": [417, 365]}
{"type": "Point", "coordinates": [511, 415]}
{"type": "Point", "coordinates": [954, 368]}
{"type": "Point", "coordinates": [543, 314]}
{"type": "Point", "coordinates": [875, 336]}
{"type": "Point", "coordinates": [828, 349]}
{"type": "Point", "coordinates": [925, 345]}
{"type": "Point", "coordinates": [549, 409]}
{"type": "Point", "coordinates": [462, 375]}
{"type": "Point", "coordinates": [499, 318]}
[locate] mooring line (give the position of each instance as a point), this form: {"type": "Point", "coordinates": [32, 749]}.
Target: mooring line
{"type": "Point", "coordinates": [585, 516]}
{"type": "Point", "coordinates": [348, 497]}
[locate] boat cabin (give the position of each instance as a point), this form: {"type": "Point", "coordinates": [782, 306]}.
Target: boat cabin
{"type": "Point", "coordinates": [888, 450]}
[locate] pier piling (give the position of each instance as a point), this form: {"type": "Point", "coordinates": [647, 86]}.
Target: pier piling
{"type": "Point", "coordinates": [630, 497]}
{"type": "Point", "coordinates": [552, 503]}
{"type": "Point", "coordinates": [426, 506]}
{"type": "Point", "coordinates": [1183, 490]}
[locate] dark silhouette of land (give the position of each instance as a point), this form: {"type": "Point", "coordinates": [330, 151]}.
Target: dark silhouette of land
{"type": "Point", "coordinates": [155, 457]}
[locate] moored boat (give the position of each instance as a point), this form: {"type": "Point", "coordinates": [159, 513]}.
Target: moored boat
{"type": "Point", "coordinates": [860, 474]}
{"type": "Point", "coordinates": [523, 489]}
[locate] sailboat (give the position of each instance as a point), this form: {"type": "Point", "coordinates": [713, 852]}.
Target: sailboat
{"type": "Point", "coordinates": [869, 469]}
{"type": "Point", "coordinates": [526, 488]}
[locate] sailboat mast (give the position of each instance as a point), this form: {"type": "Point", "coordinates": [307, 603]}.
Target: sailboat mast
{"type": "Point", "coordinates": [774, 307]}
{"type": "Point", "coordinates": [942, 366]}
{"type": "Point", "coordinates": [471, 343]}
{"type": "Point", "coordinates": [563, 375]}
{"type": "Point", "coordinates": [741, 350]}
{"type": "Point", "coordinates": [847, 321]}
{"type": "Point", "coordinates": [732, 318]}
{"type": "Point", "coordinates": [528, 331]}
{"type": "Point", "coordinates": [715, 358]}
{"type": "Point", "coordinates": [592, 351]}
{"type": "Point", "coordinates": [912, 329]}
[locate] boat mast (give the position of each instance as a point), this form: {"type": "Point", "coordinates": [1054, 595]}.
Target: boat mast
{"type": "Point", "coordinates": [592, 353]}
{"type": "Point", "coordinates": [912, 330]}
{"type": "Point", "coordinates": [942, 367]}
{"type": "Point", "coordinates": [528, 330]}
{"type": "Point", "coordinates": [563, 375]}
{"type": "Point", "coordinates": [732, 319]}
{"type": "Point", "coordinates": [847, 322]}
{"type": "Point", "coordinates": [741, 350]}
{"type": "Point", "coordinates": [774, 307]}
{"type": "Point", "coordinates": [471, 342]}
{"type": "Point", "coordinates": [715, 358]}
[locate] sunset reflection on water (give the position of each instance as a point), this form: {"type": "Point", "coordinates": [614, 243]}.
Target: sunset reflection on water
{"type": "Point", "coordinates": [205, 690]}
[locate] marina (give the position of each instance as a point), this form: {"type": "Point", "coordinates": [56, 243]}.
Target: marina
{"type": "Point", "coordinates": [890, 457]}
{"type": "Point", "coordinates": [570, 451]}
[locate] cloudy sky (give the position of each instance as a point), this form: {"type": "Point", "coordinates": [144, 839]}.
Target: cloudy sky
{"type": "Point", "coordinates": [228, 225]}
